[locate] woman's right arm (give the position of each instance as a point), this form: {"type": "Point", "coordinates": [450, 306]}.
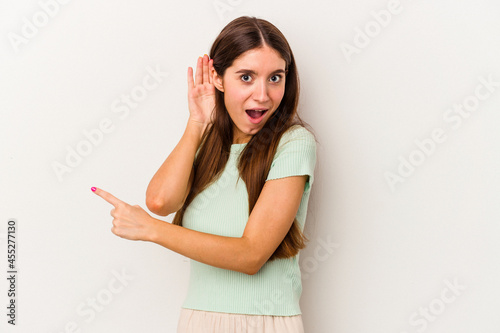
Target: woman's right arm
{"type": "Point", "coordinates": [171, 184]}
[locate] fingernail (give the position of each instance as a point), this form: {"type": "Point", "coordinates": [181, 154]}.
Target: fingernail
{"type": "Point", "coordinates": [93, 189]}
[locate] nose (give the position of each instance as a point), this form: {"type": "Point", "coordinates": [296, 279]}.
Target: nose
{"type": "Point", "coordinates": [260, 93]}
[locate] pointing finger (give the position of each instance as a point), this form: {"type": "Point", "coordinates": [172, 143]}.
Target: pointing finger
{"type": "Point", "coordinates": [107, 196]}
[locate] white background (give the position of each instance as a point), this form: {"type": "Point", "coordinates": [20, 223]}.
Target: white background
{"type": "Point", "coordinates": [394, 250]}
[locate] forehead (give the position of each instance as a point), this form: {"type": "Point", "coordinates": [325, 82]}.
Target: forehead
{"type": "Point", "coordinates": [259, 59]}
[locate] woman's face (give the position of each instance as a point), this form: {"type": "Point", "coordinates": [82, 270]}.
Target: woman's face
{"type": "Point", "coordinates": [253, 88]}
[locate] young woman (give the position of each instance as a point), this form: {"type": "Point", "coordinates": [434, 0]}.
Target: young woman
{"type": "Point", "coordinates": [239, 182]}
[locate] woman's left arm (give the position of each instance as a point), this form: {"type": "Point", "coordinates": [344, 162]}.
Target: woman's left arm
{"type": "Point", "coordinates": [267, 226]}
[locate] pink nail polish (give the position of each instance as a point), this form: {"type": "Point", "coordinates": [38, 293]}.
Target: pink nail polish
{"type": "Point", "coordinates": [93, 189]}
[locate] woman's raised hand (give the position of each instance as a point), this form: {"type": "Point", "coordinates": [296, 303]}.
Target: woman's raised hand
{"type": "Point", "coordinates": [201, 92]}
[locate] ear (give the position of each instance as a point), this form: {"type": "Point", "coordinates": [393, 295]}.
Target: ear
{"type": "Point", "coordinates": [217, 80]}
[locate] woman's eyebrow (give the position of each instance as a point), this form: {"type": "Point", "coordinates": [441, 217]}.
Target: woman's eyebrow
{"type": "Point", "coordinates": [249, 71]}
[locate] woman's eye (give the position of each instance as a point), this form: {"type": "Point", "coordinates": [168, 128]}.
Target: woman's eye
{"type": "Point", "coordinates": [276, 78]}
{"type": "Point", "coordinates": [245, 78]}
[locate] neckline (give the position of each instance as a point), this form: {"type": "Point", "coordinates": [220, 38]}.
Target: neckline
{"type": "Point", "coordinates": [236, 148]}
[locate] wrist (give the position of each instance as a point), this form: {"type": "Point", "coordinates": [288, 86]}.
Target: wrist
{"type": "Point", "coordinates": [196, 128]}
{"type": "Point", "coordinates": [201, 125]}
{"type": "Point", "coordinates": [154, 230]}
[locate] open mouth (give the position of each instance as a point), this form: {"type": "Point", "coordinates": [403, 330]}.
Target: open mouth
{"type": "Point", "coordinates": [256, 114]}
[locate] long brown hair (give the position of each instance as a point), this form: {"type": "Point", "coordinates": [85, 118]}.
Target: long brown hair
{"type": "Point", "coordinates": [240, 35]}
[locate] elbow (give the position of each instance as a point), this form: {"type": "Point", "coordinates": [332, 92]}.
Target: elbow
{"type": "Point", "coordinates": [154, 206]}
{"type": "Point", "coordinates": [252, 271]}
{"type": "Point", "coordinates": [157, 206]}
{"type": "Point", "coordinates": [252, 257]}
{"type": "Point", "coordinates": [253, 265]}
{"type": "Point", "coordinates": [152, 201]}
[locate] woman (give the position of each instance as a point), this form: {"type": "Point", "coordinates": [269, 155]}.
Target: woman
{"type": "Point", "coordinates": [243, 236]}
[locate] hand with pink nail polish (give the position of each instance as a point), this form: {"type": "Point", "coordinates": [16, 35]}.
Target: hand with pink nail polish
{"type": "Point", "coordinates": [129, 222]}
